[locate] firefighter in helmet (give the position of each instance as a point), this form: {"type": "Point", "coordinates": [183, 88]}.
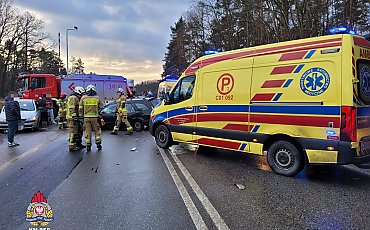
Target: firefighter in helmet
{"type": "Point", "coordinates": [62, 104]}
{"type": "Point", "coordinates": [73, 119]}
{"type": "Point", "coordinates": [122, 113]}
{"type": "Point", "coordinates": [89, 107]}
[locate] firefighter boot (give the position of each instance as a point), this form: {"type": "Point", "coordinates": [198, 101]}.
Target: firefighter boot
{"type": "Point", "coordinates": [88, 148]}
{"type": "Point", "coordinates": [99, 146]}
{"type": "Point", "coordinates": [129, 131]}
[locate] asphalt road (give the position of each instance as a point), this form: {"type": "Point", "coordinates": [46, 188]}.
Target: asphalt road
{"type": "Point", "coordinates": [122, 187]}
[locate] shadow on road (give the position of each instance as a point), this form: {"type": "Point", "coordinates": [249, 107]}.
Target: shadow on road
{"type": "Point", "coordinates": [329, 174]}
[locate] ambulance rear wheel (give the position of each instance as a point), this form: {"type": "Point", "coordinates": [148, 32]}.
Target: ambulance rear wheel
{"type": "Point", "coordinates": [163, 137]}
{"type": "Point", "coordinates": [285, 159]}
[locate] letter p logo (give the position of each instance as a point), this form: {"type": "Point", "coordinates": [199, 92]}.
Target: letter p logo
{"type": "Point", "coordinates": [225, 84]}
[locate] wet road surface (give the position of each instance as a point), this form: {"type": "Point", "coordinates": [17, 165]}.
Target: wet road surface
{"type": "Point", "coordinates": [180, 188]}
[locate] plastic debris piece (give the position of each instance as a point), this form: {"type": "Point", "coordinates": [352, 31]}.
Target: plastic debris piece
{"type": "Point", "coordinates": [240, 186]}
{"type": "Point", "coordinates": [96, 170]}
{"type": "Point", "coordinates": [134, 149]}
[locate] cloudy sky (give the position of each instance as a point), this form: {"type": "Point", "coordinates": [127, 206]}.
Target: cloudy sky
{"type": "Point", "coordinates": [120, 37]}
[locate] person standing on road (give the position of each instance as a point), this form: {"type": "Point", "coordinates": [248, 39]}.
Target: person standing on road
{"type": "Point", "coordinates": [62, 104]}
{"type": "Point", "coordinates": [90, 104]}
{"type": "Point", "coordinates": [122, 113]}
{"type": "Point", "coordinates": [49, 108]}
{"type": "Point", "coordinates": [13, 116]}
{"type": "Point", "coordinates": [75, 138]}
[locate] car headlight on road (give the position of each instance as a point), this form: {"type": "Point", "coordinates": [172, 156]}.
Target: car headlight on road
{"type": "Point", "coordinates": [33, 118]}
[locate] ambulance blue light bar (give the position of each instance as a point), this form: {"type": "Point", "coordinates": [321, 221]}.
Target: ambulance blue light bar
{"type": "Point", "coordinates": [208, 52]}
{"type": "Point", "coordinates": [341, 30]}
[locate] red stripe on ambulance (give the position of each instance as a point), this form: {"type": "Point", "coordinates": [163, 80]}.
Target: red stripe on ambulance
{"type": "Point", "coordinates": [361, 42]}
{"type": "Point", "coordinates": [295, 120]}
{"type": "Point", "coordinates": [263, 97]}
{"type": "Point", "coordinates": [273, 84]}
{"type": "Point", "coordinates": [293, 56]}
{"type": "Point", "coordinates": [283, 69]}
{"type": "Point", "coordinates": [218, 143]}
{"type": "Point", "coordinates": [204, 117]}
{"type": "Point", "coordinates": [238, 127]}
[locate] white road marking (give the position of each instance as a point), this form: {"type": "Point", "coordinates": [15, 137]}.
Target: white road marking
{"type": "Point", "coordinates": [34, 149]}
{"type": "Point", "coordinates": [212, 212]}
{"type": "Point", "coordinates": [192, 209]}
{"type": "Point", "coordinates": [21, 156]}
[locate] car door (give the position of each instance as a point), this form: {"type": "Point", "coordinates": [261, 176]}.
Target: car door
{"type": "Point", "coordinates": [181, 110]}
{"type": "Point", "coordinates": [145, 108]}
{"type": "Point", "coordinates": [109, 114]}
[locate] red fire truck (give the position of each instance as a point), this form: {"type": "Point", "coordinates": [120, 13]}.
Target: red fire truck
{"type": "Point", "coordinates": [34, 86]}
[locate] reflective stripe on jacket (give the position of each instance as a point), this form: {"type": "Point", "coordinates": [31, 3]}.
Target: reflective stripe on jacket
{"type": "Point", "coordinates": [72, 107]}
{"type": "Point", "coordinates": [90, 106]}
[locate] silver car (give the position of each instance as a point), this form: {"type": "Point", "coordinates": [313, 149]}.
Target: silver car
{"type": "Point", "coordinates": [30, 115]}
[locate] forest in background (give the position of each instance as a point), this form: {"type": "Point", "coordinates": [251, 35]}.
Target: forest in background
{"type": "Point", "coordinates": [232, 24]}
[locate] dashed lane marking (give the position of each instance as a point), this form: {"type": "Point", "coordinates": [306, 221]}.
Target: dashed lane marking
{"type": "Point", "coordinates": [192, 209]}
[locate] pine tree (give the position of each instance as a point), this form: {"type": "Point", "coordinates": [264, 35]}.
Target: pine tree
{"type": "Point", "coordinates": [175, 58]}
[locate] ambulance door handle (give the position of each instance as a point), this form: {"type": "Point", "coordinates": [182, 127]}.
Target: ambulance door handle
{"type": "Point", "coordinates": [203, 107]}
{"type": "Point", "coordinates": [189, 108]}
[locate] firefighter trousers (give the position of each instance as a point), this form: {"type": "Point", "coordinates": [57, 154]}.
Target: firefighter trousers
{"type": "Point", "coordinates": [62, 122]}
{"type": "Point", "coordinates": [92, 125]}
{"type": "Point", "coordinates": [122, 117]}
{"type": "Point", "coordinates": [75, 133]}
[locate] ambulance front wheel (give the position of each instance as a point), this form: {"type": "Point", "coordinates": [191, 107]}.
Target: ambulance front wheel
{"type": "Point", "coordinates": [163, 137]}
{"type": "Point", "coordinates": [285, 159]}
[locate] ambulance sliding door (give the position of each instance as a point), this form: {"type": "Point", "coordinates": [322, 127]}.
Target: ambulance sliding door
{"type": "Point", "coordinates": [223, 110]}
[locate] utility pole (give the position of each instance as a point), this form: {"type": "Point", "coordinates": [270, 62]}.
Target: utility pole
{"type": "Point", "coordinates": [26, 50]}
{"type": "Point", "coordinates": [74, 28]}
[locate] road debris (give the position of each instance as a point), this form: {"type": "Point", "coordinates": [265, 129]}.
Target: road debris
{"type": "Point", "coordinates": [134, 149]}
{"type": "Point", "coordinates": [96, 170]}
{"type": "Point", "coordinates": [240, 186]}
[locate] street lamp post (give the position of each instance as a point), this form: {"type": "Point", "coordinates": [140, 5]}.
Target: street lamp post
{"type": "Point", "coordinates": [74, 28]}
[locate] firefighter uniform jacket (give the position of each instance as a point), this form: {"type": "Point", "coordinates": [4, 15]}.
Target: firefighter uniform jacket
{"type": "Point", "coordinates": [72, 107]}
{"type": "Point", "coordinates": [89, 106]}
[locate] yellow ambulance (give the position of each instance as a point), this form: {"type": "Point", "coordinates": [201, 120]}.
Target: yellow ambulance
{"type": "Point", "coordinates": [297, 102]}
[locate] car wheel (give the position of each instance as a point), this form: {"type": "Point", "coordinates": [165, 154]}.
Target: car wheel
{"type": "Point", "coordinates": [138, 125]}
{"type": "Point", "coordinates": [285, 159]}
{"type": "Point", "coordinates": [163, 137]}
{"type": "Point", "coordinates": [37, 126]}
